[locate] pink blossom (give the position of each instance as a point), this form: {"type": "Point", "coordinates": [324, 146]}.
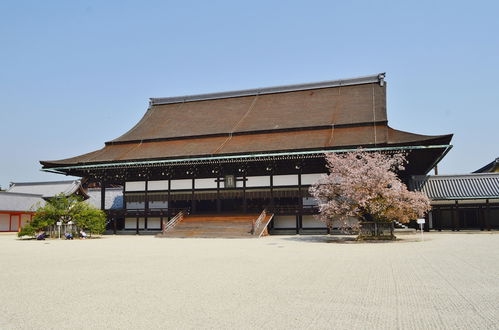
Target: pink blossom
{"type": "Point", "coordinates": [365, 185]}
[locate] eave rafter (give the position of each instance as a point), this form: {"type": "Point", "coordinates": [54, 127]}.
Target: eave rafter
{"type": "Point", "coordinates": [236, 158]}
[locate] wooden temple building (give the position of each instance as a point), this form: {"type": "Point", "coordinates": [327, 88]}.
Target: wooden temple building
{"type": "Point", "coordinates": [240, 152]}
{"type": "Point", "coordinates": [460, 202]}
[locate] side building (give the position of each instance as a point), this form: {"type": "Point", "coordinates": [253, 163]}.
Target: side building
{"type": "Point", "coordinates": [244, 151]}
{"type": "Point", "coordinates": [17, 209]}
{"type": "Point", "coordinates": [49, 189]}
{"type": "Point", "coordinates": [465, 201]}
{"type": "Point", "coordinates": [19, 202]}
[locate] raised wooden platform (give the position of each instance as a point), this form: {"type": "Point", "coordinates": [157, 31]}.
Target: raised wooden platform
{"type": "Point", "coordinates": [216, 226]}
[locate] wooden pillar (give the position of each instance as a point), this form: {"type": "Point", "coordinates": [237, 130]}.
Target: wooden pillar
{"type": "Point", "coordinates": [168, 210]}
{"type": "Point", "coordinates": [481, 219]}
{"type": "Point", "coordinates": [124, 196]}
{"type": "Point", "coordinates": [125, 212]}
{"type": "Point", "coordinates": [487, 217]}
{"type": "Point", "coordinates": [146, 203]}
{"type": "Point", "coordinates": [299, 224]}
{"type": "Point", "coordinates": [434, 217]}
{"type": "Point", "coordinates": [137, 225]}
{"type": "Point", "coordinates": [300, 200]}
{"type": "Point", "coordinates": [193, 202]}
{"type": "Point", "coordinates": [219, 202]}
{"type": "Point", "coordinates": [103, 195]}
{"type": "Point", "coordinates": [453, 220]}
{"type": "Point", "coordinates": [272, 202]}
{"type": "Point", "coordinates": [438, 218]}
{"type": "Point", "coordinates": [457, 216]}
{"type": "Point", "coordinates": [245, 205]}
{"type": "Point", "coordinates": [115, 225]}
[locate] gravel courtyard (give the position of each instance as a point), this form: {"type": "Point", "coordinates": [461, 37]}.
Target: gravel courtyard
{"type": "Point", "coordinates": [451, 280]}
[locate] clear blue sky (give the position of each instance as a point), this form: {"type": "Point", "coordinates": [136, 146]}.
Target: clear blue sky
{"type": "Point", "coordinates": [74, 74]}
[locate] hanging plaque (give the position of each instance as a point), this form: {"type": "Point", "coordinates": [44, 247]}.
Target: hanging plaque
{"type": "Point", "coordinates": [229, 181]}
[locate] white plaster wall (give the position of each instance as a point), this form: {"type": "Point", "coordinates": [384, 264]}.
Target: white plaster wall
{"type": "Point", "coordinates": [135, 186]}
{"type": "Point", "coordinates": [285, 180]}
{"type": "Point", "coordinates": [158, 205]}
{"type": "Point", "coordinates": [181, 184]}
{"type": "Point", "coordinates": [309, 201]}
{"type": "Point", "coordinates": [285, 221]}
{"type": "Point", "coordinates": [131, 223]}
{"type": "Point", "coordinates": [258, 181]}
{"type": "Point", "coordinates": [157, 185]}
{"type": "Point", "coordinates": [309, 221]}
{"type": "Point", "coordinates": [14, 223]}
{"type": "Point", "coordinates": [135, 205]}
{"type": "Point", "coordinates": [4, 222]}
{"type": "Point", "coordinates": [208, 183]}
{"type": "Point", "coordinates": [153, 223]}
{"type": "Point", "coordinates": [307, 179]}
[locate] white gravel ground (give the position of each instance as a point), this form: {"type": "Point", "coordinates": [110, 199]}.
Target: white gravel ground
{"type": "Point", "coordinates": [451, 281]}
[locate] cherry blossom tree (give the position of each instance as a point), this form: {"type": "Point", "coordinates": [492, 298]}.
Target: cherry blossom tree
{"type": "Point", "coordinates": [365, 185]}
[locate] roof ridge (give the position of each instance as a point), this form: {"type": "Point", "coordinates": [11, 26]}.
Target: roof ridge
{"type": "Point", "coordinates": [377, 78]}
{"type": "Point", "coordinates": [42, 182]}
{"type": "Point", "coordinates": [456, 175]}
{"type": "Point", "coordinates": [20, 194]}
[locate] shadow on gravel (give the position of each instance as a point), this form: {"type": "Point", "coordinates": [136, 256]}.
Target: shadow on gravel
{"type": "Point", "coordinates": [346, 239]}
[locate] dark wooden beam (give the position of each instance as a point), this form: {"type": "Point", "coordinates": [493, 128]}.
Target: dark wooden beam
{"type": "Point", "coordinates": [245, 205]}
{"type": "Point", "coordinates": [168, 210]}
{"type": "Point", "coordinates": [272, 202]}
{"type": "Point", "coordinates": [481, 217]}
{"type": "Point", "coordinates": [146, 202]}
{"type": "Point", "coordinates": [219, 202]}
{"type": "Point", "coordinates": [137, 225]}
{"type": "Point", "coordinates": [103, 195]}
{"type": "Point", "coordinates": [193, 201]}
{"type": "Point", "coordinates": [487, 218]}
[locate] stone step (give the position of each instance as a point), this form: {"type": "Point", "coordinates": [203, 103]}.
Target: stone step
{"type": "Point", "coordinates": [214, 225]}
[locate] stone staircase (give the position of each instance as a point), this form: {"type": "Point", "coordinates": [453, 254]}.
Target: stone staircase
{"type": "Point", "coordinates": [217, 226]}
{"type": "Point", "coordinates": [399, 225]}
{"type": "Point", "coordinates": [400, 228]}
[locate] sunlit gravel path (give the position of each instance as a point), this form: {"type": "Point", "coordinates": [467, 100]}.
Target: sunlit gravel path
{"type": "Point", "coordinates": [451, 281]}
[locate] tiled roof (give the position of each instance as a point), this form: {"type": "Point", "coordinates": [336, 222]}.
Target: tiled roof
{"type": "Point", "coordinates": [467, 186]}
{"type": "Point", "coordinates": [10, 201]}
{"type": "Point", "coordinates": [490, 167]}
{"type": "Point", "coordinates": [114, 198]}
{"type": "Point", "coordinates": [331, 115]}
{"type": "Point", "coordinates": [46, 189]}
{"type": "Point", "coordinates": [254, 143]}
{"type": "Point", "coordinates": [296, 109]}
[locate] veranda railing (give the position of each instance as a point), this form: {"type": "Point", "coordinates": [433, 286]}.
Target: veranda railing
{"type": "Point", "coordinates": [256, 224]}
{"type": "Point", "coordinates": [173, 221]}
